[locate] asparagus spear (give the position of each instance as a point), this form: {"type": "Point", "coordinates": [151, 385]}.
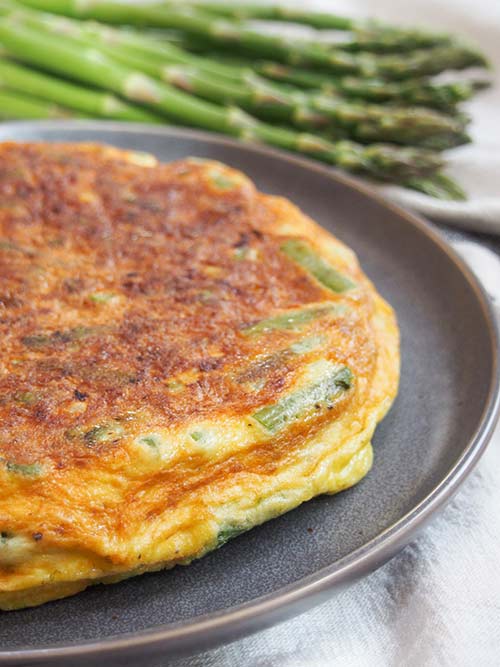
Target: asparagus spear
{"type": "Point", "coordinates": [413, 126]}
{"type": "Point", "coordinates": [284, 49]}
{"type": "Point", "coordinates": [362, 122]}
{"type": "Point", "coordinates": [292, 319]}
{"type": "Point", "coordinates": [360, 35]}
{"type": "Point", "coordinates": [51, 89]}
{"type": "Point", "coordinates": [14, 106]}
{"type": "Point", "coordinates": [439, 186]}
{"type": "Point", "coordinates": [301, 253]}
{"type": "Point", "coordinates": [320, 395]}
{"type": "Point", "coordinates": [419, 92]}
{"type": "Point", "coordinates": [89, 65]}
{"type": "Point", "coordinates": [269, 12]}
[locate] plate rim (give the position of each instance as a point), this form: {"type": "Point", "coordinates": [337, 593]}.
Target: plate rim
{"type": "Point", "coordinates": [230, 624]}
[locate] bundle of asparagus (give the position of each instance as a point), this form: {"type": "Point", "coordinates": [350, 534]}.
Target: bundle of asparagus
{"type": "Point", "coordinates": [367, 104]}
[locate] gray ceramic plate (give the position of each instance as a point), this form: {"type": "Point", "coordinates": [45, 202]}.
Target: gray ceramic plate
{"type": "Point", "coordinates": [431, 439]}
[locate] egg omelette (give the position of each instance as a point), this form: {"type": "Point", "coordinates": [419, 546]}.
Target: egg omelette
{"type": "Point", "coordinates": [183, 358]}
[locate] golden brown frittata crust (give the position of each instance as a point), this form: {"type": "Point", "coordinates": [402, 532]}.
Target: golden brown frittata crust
{"type": "Point", "coordinates": [129, 296]}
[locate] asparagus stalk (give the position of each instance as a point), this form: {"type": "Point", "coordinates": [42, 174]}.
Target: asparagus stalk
{"type": "Point", "coordinates": [284, 49]}
{"type": "Point", "coordinates": [271, 12]}
{"type": "Point", "coordinates": [290, 320]}
{"type": "Point", "coordinates": [360, 35]}
{"type": "Point", "coordinates": [427, 62]}
{"type": "Point", "coordinates": [301, 253]}
{"type": "Point", "coordinates": [66, 56]}
{"type": "Point", "coordinates": [402, 125]}
{"type": "Point", "coordinates": [418, 92]}
{"type": "Point", "coordinates": [51, 89]}
{"type": "Point", "coordinates": [14, 106]}
{"type": "Point", "coordinates": [320, 395]}
{"type": "Point", "coordinates": [364, 123]}
{"type": "Point", "coordinates": [439, 186]}
{"type": "Point", "coordinates": [414, 92]}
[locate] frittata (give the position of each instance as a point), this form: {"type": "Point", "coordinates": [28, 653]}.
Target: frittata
{"type": "Point", "coordinates": [183, 358]}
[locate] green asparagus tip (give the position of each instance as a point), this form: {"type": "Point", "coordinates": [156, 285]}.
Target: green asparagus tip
{"type": "Point", "coordinates": [438, 186]}
{"type": "Point", "coordinates": [481, 84]}
{"type": "Point", "coordinates": [445, 141]}
{"type": "Point", "coordinates": [385, 162]}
